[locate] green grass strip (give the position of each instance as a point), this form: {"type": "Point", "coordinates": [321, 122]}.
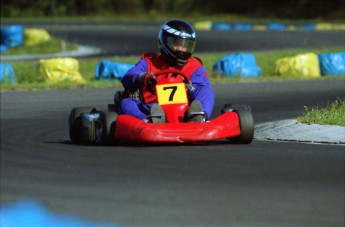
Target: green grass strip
{"type": "Point", "coordinates": [333, 114]}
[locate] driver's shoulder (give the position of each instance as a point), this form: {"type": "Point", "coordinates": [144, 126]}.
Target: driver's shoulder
{"type": "Point", "coordinates": [193, 64]}
{"type": "Point", "coordinates": [149, 55]}
{"type": "Point", "coordinates": [196, 60]}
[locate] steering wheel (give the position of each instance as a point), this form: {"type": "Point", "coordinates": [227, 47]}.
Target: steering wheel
{"type": "Point", "coordinates": [174, 71]}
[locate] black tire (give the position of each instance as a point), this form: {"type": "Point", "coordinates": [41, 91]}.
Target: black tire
{"type": "Point", "coordinates": [119, 95]}
{"type": "Point", "coordinates": [246, 122]}
{"type": "Point", "coordinates": [109, 126]}
{"type": "Point", "coordinates": [229, 107]}
{"type": "Point", "coordinates": [74, 122]}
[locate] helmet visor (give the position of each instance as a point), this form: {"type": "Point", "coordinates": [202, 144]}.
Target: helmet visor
{"type": "Point", "coordinates": [178, 44]}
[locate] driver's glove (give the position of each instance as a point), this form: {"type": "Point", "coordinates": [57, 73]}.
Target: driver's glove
{"type": "Point", "coordinates": [190, 87]}
{"type": "Point", "coordinates": [148, 80]}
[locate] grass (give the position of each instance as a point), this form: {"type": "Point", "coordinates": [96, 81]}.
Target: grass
{"type": "Point", "coordinates": [333, 114]}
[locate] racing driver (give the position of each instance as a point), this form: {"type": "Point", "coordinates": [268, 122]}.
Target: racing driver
{"type": "Point", "coordinates": [176, 42]}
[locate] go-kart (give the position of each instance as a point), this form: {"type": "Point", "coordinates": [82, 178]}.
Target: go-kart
{"type": "Point", "coordinates": [87, 124]}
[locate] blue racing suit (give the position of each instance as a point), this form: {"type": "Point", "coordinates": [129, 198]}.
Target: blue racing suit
{"type": "Point", "coordinates": [151, 62]}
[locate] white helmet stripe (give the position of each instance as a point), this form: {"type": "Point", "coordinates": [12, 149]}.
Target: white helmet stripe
{"type": "Point", "coordinates": [178, 33]}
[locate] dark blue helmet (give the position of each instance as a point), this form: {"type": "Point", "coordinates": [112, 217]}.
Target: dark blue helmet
{"type": "Point", "coordinates": [176, 41]}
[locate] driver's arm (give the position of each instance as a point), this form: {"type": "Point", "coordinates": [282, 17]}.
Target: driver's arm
{"type": "Point", "coordinates": [130, 79]}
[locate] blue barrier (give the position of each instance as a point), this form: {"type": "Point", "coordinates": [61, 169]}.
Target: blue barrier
{"type": "Point", "coordinates": [332, 63]}
{"type": "Point", "coordinates": [276, 26]}
{"type": "Point", "coordinates": [242, 27]}
{"type": "Point", "coordinates": [7, 74]}
{"type": "Point", "coordinates": [240, 64]}
{"type": "Point", "coordinates": [3, 48]}
{"type": "Point", "coordinates": [221, 26]}
{"type": "Point", "coordinates": [308, 27]}
{"type": "Point", "coordinates": [29, 213]}
{"type": "Point", "coordinates": [111, 70]}
{"type": "Point", "coordinates": [12, 35]}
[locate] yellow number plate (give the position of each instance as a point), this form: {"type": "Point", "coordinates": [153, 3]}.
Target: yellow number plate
{"type": "Point", "coordinates": [171, 94]}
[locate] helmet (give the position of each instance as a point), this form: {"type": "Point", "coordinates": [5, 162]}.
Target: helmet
{"type": "Point", "coordinates": [176, 41]}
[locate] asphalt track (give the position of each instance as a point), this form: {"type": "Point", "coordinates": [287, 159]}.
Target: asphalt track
{"type": "Point", "coordinates": [208, 184]}
{"type": "Point", "coordinates": [112, 43]}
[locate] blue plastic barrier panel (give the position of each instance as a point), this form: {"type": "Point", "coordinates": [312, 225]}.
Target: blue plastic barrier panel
{"type": "Point", "coordinates": [111, 70]}
{"type": "Point", "coordinates": [308, 27]}
{"type": "Point", "coordinates": [3, 48]}
{"type": "Point", "coordinates": [243, 27]}
{"type": "Point", "coordinates": [221, 26]}
{"type": "Point", "coordinates": [276, 26]}
{"type": "Point", "coordinates": [7, 74]}
{"type": "Point", "coordinates": [30, 213]}
{"type": "Point", "coordinates": [240, 64]}
{"type": "Point", "coordinates": [12, 36]}
{"type": "Point", "coordinates": [332, 64]}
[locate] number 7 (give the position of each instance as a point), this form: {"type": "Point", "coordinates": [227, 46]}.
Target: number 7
{"type": "Point", "coordinates": [173, 90]}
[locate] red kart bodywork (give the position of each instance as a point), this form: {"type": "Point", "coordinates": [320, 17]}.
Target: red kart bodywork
{"type": "Point", "coordinates": [132, 129]}
{"type": "Point", "coordinates": [86, 124]}
{"type": "Point", "coordinates": [171, 94]}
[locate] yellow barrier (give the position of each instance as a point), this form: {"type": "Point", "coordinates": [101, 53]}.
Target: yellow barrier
{"type": "Point", "coordinates": [292, 28]}
{"type": "Point", "coordinates": [328, 26]}
{"type": "Point", "coordinates": [203, 25]}
{"type": "Point", "coordinates": [259, 27]}
{"type": "Point", "coordinates": [34, 36]}
{"type": "Point", "coordinates": [60, 69]}
{"type": "Point", "coordinates": [302, 65]}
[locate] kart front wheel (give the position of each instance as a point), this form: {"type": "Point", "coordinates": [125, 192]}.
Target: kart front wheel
{"type": "Point", "coordinates": [74, 122]}
{"type": "Point", "coordinates": [246, 122]}
{"type": "Point", "coordinates": [247, 126]}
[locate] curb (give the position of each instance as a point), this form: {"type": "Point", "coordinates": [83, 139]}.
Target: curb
{"type": "Point", "coordinates": [290, 130]}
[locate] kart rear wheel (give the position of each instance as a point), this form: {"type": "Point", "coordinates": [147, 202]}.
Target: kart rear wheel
{"type": "Point", "coordinates": [109, 125]}
{"type": "Point", "coordinates": [246, 122]}
{"type": "Point", "coordinates": [119, 95]}
{"type": "Point", "coordinates": [74, 122]}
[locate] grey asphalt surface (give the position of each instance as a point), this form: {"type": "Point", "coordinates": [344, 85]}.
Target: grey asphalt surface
{"type": "Point", "coordinates": [261, 184]}
{"type": "Point", "coordinates": [266, 183]}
